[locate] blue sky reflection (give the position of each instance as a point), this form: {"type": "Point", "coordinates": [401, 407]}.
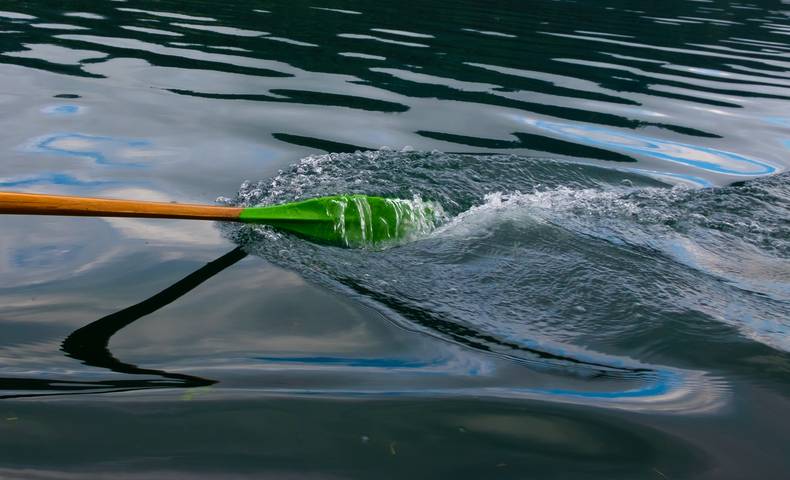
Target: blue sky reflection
{"type": "Point", "coordinates": [705, 158]}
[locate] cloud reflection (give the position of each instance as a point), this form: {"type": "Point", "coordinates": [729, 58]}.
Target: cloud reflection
{"type": "Point", "coordinates": [103, 150]}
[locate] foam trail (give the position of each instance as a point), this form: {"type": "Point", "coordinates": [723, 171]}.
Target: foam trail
{"type": "Point", "coordinates": [551, 266]}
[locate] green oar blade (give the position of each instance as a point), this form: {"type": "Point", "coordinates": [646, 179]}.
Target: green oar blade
{"type": "Point", "coordinates": [348, 220]}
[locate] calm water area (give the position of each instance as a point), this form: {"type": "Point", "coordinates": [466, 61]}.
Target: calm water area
{"type": "Point", "coordinates": [607, 295]}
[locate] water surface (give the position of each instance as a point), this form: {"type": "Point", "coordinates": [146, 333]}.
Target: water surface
{"type": "Point", "coordinates": [607, 296]}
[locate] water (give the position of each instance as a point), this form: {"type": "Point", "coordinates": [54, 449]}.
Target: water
{"type": "Point", "coordinates": [607, 294]}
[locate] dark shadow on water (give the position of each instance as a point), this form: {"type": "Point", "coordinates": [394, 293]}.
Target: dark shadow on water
{"type": "Point", "coordinates": [318, 143]}
{"type": "Point", "coordinates": [89, 345]}
{"type": "Point", "coordinates": [526, 140]}
{"type": "Point", "coordinates": [305, 98]}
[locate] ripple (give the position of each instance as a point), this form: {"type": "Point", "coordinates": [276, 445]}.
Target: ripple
{"type": "Point", "coordinates": [16, 15]}
{"type": "Point", "coordinates": [282, 68]}
{"type": "Point", "coordinates": [356, 36]}
{"type": "Point", "coordinates": [86, 15]}
{"type": "Point", "coordinates": [177, 16]}
{"type": "Point", "coordinates": [337, 10]}
{"type": "Point", "coordinates": [699, 52]}
{"type": "Point", "coordinates": [154, 31]}
{"type": "Point", "coordinates": [402, 33]}
{"type": "Point", "coordinates": [291, 41]}
{"type": "Point", "coordinates": [238, 32]}
{"type": "Point", "coordinates": [57, 26]}
{"type": "Point", "coordinates": [638, 82]}
{"type": "Point", "coordinates": [490, 33]}
{"type": "Point", "coordinates": [361, 55]}
{"type": "Point", "coordinates": [56, 54]}
{"type": "Point", "coordinates": [704, 158]}
{"type": "Point", "coordinates": [435, 80]}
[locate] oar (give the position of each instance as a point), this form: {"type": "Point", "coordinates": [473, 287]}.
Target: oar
{"type": "Point", "coordinates": [346, 220]}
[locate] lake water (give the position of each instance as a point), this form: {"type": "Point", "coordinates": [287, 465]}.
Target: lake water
{"type": "Point", "coordinates": [607, 296]}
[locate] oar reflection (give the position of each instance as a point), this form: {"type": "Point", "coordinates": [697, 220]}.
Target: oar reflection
{"type": "Point", "coordinates": [90, 345]}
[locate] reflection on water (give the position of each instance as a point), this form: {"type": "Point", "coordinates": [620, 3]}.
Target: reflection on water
{"type": "Point", "coordinates": [51, 178]}
{"type": "Point", "coordinates": [92, 147]}
{"type": "Point", "coordinates": [62, 110]}
{"type": "Point", "coordinates": [700, 157]}
{"type": "Point", "coordinates": [448, 375]}
{"type": "Point", "coordinates": [696, 99]}
{"type": "Point", "coordinates": [90, 345]}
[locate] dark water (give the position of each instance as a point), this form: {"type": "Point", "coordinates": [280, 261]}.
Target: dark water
{"type": "Point", "coordinates": [608, 295]}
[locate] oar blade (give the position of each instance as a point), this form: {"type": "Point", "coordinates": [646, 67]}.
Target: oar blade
{"type": "Point", "coordinates": [349, 220]}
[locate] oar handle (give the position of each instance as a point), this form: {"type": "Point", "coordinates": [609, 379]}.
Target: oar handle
{"type": "Point", "coordinates": [39, 204]}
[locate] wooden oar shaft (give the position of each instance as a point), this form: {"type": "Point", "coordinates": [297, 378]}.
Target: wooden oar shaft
{"type": "Point", "coordinates": [37, 204]}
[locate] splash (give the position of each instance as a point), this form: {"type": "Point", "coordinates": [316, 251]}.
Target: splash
{"type": "Point", "coordinates": [707, 231]}
{"type": "Point", "coordinates": [556, 267]}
